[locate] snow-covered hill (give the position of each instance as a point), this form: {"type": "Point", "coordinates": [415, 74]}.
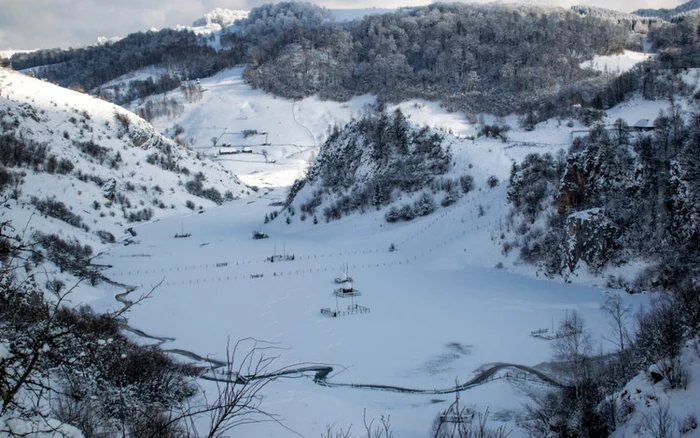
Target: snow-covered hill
{"type": "Point", "coordinates": [288, 132]}
{"type": "Point", "coordinates": [106, 165]}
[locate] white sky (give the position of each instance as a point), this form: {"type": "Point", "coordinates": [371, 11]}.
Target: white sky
{"type": "Point", "coordinates": [32, 24]}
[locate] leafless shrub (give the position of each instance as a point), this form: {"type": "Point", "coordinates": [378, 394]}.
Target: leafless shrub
{"type": "Point", "coordinates": [675, 373]}
{"type": "Point", "coordinates": [689, 424]}
{"type": "Point", "coordinates": [659, 422]}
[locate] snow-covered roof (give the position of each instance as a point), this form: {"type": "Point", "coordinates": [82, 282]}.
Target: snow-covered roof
{"type": "Point", "coordinates": [644, 123]}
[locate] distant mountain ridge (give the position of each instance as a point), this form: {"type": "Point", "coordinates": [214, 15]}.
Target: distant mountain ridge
{"type": "Point", "coordinates": [668, 13]}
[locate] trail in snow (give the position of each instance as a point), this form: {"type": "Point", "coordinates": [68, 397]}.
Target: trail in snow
{"type": "Point", "coordinates": [294, 115]}
{"type": "Point", "coordinates": [322, 372]}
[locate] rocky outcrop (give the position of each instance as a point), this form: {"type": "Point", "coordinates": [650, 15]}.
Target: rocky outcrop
{"type": "Point", "coordinates": [573, 187]}
{"type": "Point", "coordinates": [683, 209]}
{"type": "Point", "coordinates": [590, 237]}
{"type": "Point", "coordinates": [109, 189]}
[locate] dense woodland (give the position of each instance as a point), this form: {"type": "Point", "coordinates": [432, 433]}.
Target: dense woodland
{"type": "Point", "coordinates": [471, 57]}
{"type": "Point", "coordinates": [600, 176]}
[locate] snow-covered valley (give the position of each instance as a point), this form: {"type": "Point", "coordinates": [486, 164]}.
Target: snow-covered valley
{"type": "Point", "coordinates": [440, 310]}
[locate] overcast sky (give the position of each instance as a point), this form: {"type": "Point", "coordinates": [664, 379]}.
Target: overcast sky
{"type": "Point", "coordinates": [36, 24]}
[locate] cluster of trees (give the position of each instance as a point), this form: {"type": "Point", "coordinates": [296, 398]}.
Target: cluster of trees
{"type": "Point", "coordinates": [196, 187]}
{"type": "Point", "coordinates": [475, 57]}
{"type": "Point", "coordinates": [633, 22]}
{"type": "Point", "coordinates": [160, 107]}
{"type": "Point", "coordinates": [669, 14]}
{"type": "Point", "coordinates": [57, 209]}
{"type": "Point", "coordinates": [370, 161]}
{"type": "Point", "coordinates": [422, 206]}
{"type": "Point", "coordinates": [140, 88]}
{"type": "Point", "coordinates": [607, 171]}
{"type": "Point", "coordinates": [68, 254]}
{"type": "Point", "coordinates": [585, 405]}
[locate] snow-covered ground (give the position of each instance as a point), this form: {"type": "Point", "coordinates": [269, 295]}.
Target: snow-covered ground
{"type": "Point", "coordinates": [655, 405]}
{"type": "Point", "coordinates": [616, 64]}
{"type": "Point", "coordinates": [293, 130]}
{"type": "Point", "coordinates": [439, 309]}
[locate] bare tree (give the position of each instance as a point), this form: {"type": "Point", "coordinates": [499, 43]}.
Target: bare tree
{"type": "Point", "coordinates": [617, 314]}
{"type": "Point", "coordinates": [463, 422]}
{"type": "Point", "coordinates": [240, 380]}
{"type": "Point", "coordinates": [572, 348]}
{"type": "Point", "coordinates": [381, 430]}
{"type": "Point", "coordinates": [659, 422]}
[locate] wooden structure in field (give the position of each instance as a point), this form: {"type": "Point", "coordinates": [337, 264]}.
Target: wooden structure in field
{"type": "Point", "coordinates": [351, 310]}
{"type": "Point", "coordinates": [182, 234]}
{"type": "Point", "coordinates": [284, 257]}
{"type": "Point", "coordinates": [346, 289]}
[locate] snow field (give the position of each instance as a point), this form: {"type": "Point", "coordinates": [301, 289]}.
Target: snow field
{"type": "Point", "coordinates": [616, 64]}
{"type": "Point", "coordinates": [439, 308]}
{"type": "Point", "coordinates": [420, 309]}
{"type": "Point", "coordinates": [294, 130]}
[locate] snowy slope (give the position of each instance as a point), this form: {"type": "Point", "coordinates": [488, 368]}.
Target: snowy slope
{"type": "Point", "coordinates": [295, 130]}
{"type": "Point", "coordinates": [650, 405]}
{"type": "Point", "coordinates": [121, 144]}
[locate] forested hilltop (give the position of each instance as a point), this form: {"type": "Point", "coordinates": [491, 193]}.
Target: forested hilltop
{"type": "Point", "coordinates": [493, 58]}
{"type": "Point", "coordinates": [471, 57]}
{"type": "Point", "coordinates": [668, 13]}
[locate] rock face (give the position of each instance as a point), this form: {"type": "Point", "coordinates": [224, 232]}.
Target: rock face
{"type": "Point", "coordinates": [573, 187]}
{"type": "Point", "coordinates": [683, 208]}
{"type": "Point", "coordinates": [589, 236]}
